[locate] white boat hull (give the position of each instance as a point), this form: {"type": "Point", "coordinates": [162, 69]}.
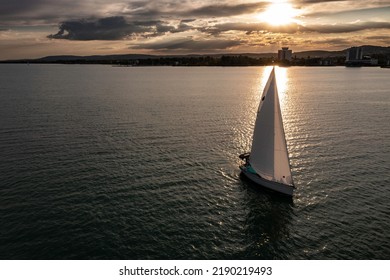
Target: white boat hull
{"type": "Point", "coordinates": [275, 186]}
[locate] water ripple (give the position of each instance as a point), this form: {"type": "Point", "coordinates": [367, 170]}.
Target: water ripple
{"type": "Point", "coordinates": [141, 163]}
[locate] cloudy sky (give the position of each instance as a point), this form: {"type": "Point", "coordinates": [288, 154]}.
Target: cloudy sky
{"type": "Point", "coordinates": [36, 28]}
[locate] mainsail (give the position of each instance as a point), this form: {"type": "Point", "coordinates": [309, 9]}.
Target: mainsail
{"type": "Point", "coordinates": [269, 156]}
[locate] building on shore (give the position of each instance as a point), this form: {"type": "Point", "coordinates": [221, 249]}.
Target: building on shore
{"type": "Point", "coordinates": [354, 53]}
{"type": "Point", "coordinates": [355, 57]}
{"type": "Point", "coordinates": [284, 54]}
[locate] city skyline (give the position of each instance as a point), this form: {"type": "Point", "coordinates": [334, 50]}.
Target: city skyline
{"type": "Point", "coordinates": [32, 29]}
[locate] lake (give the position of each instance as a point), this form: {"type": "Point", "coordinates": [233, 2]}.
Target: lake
{"type": "Point", "coordinates": [101, 162]}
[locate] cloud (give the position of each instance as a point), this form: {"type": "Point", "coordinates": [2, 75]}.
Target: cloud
{"type": "Point", "coordinates": [179, 10]}
{"type": "Point", "coordinates": [378, 37]}
{"type": "Point", "coordinates": [188, 44]}
{"type": "Point", "coordinates": [333, 41]}
{"type": "Point", "coordinates": [318, 1]}
{"type": "Point", "coordinates": [19, 6]}
{"type": "Point", "coordinates": [346, 28]}
{"type": "Point", "coordinates": [112, 28]}
{"type": "Point", "coordinates": [249, 28]}
{"type": "Point", "coordinates": [226, 10]}
{"type": "Point", "coordinates": [354, 13]}
{"type": "Point", "coordinates": [292, 28]}
{"type": "Point", "coordinates": [183, 26]}
{"type": "Point", "coordinates": [118, 28]}
{"type": "Point", "coordinates": [31, 12]}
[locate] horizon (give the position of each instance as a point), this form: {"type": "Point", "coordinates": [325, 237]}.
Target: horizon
{"type": "Point", "coordinates": [100, 27]}
{"type": "Point", "coordinates": [186, 54]}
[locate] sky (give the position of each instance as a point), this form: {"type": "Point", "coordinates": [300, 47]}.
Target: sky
{"type": "Point", "coordinates": [38, 28]}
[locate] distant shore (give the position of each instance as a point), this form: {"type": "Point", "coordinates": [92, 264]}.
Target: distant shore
{"type": "Point", "coordinates": [304, 58]}
{"type": "Point", "coordinates": [206, 61]}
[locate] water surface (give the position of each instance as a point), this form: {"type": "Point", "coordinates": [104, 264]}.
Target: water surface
{"type": "Point", "coordinates": [102, 162]}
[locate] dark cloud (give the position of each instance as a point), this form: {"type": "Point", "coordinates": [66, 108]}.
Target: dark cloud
{"type": "Point", "coordinates": [378, 37]}
{"type": "Point", "coordinates": [224, 10]}
{"type": "Point", "coordinates": [187, 20]}
{"type": "Point", "coordinates": [190, 45]}
{"type": "Point", "coordinates": [19, 6]}
{"type": "Point", "coordinates": [175, 10]}
{"type": "Point", "coordinates": [346, 28]}
{"type": "Point", "coordinates": [182, 27]}
{"type": "Point", "coordinates": [293, 28]}
{"type": "Point", "coordinates": [162, 27]}
{"type": "Point", "coordinates": [112, 28]}
{"type": "Point", "coordinates": [31, 12]}
{"type": "Point", "coordinates": [249, 28]}
{"type": "Point", "coordinates": [116, 28]}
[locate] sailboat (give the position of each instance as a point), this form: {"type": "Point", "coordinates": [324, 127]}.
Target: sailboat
{"type": "Point", "coordinates": [267, 164]}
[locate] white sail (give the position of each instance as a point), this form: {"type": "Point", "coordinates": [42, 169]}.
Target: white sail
{"type": "Point", "coordinates": [269, 156]}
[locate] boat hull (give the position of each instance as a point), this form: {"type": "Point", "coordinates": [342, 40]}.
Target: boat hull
{"type": "Point", "coordinates": [274, 186]}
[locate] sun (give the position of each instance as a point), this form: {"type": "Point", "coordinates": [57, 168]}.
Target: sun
{"type": "Point", "coordinates": [279, 13]}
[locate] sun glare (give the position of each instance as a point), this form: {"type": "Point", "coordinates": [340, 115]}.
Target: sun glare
{"type": "Point", "coordinates": [279, 13]}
